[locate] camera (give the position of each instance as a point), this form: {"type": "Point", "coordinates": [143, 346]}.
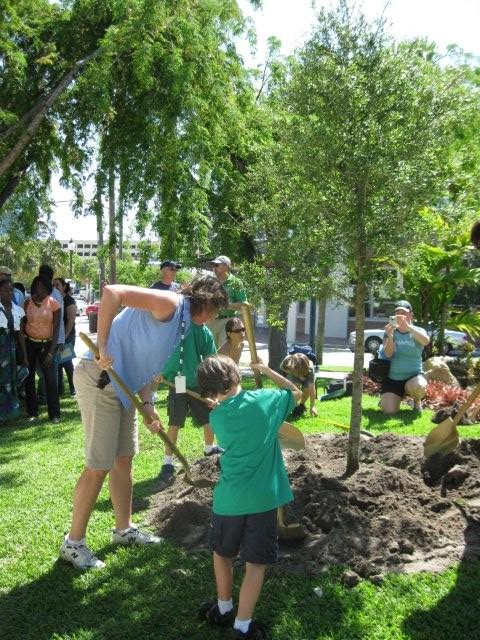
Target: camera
{"type": "Point", "coordinates": [393, 321]}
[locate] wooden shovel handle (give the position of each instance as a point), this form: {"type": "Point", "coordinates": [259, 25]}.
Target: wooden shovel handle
{"type": "Point", "coordinates": [189, 392]}
{"type": "Point", "coordinates": [466, 405]}
{"type": "Point", "coordinates": [248, 322]}
{"type": "Point", "coordinates": [138, 405]}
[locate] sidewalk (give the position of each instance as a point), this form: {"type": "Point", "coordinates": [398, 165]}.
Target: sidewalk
{"type": "Point", "coordinates": [333, 354]}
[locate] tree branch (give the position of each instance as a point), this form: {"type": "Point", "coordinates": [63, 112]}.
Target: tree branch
{"type": "Point", "coordinates": [37, 119]}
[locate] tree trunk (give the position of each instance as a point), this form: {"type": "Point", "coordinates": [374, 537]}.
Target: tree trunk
{"type": "Point", "coordinates": [357, 389]}
{"type": "Point", "coordinates": [277, 342]}
{"type": "Point", "coordinates": [39, 111]}
{"type": "Point", "coordinates": [101, 262]}
{"type": "Point", "coordinates": [112, 239]}
{"type": "Point", "coordinates": [120, 233]}
{"type": "Point", "coordinates": [440, 341]}
{"type": "Point", "coordinates": [320, 341]}
{"type": "Point", "coordinates": [12, 183]}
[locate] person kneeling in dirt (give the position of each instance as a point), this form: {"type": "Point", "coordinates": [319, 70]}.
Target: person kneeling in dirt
{"type": "Point", "coordinates": [253, 483]}
{"type": "Point", "coordinates": [403, 345]}
{"type": "Point", "coordinates": [299, 370]}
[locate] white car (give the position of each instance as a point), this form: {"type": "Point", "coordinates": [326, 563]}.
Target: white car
{"type": "Point", "coordinates": [374, 339]}
{"type": "Point", "coordinates": [81, 305]}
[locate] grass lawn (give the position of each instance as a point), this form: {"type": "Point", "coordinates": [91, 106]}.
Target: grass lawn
{"type": "Point", "coordinates": [153, 592]}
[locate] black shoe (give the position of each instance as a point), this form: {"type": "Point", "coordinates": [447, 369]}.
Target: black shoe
{"type": "Point", "coordinates": [167, 472]}
{"type": "Point", "coordinates": [214, 451]}
{"type": "Point", "coordinates": [55, 420]}
{"type": "Point", "coordinates": [209, 612]}
{"type": "Point", "coordinates": [256, 631]}
{"type": "Point", "coordinates": [299, 410]}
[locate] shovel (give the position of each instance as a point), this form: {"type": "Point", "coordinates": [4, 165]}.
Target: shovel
{"type": "Point", "coordinates": [289, 531]}
{"type": "Point", "coordinates": [285, 532]}
{"type": "Point", "coordinates": [444, 438]}
{"type": "Point", "coordinates": [200, 483]}
{"type": "Point", "coordinates": [290, 437]}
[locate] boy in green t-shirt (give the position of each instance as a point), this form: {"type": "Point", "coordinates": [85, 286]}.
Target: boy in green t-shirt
{"type": "Point", "coordinates": [198, 344]}
{"type": "Point", "coordinates": [253, 483]}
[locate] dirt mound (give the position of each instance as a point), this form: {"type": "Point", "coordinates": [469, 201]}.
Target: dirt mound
{"type": "Point", "coordinates": [394, 514]}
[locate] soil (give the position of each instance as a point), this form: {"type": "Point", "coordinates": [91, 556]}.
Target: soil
{"type": "Point", "coordinates": [396, 514]}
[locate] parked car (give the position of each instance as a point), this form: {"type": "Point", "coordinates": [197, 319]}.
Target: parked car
{"type": "Point", "coordinates": [92, 308]}
{"type": "Point", "coordinates": [81, 305]}
{"type": "Point", "coordinates": [374, 338]}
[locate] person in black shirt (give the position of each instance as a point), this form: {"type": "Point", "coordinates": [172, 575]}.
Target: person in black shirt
{"type": "Point", "coordinates": [168, 269]}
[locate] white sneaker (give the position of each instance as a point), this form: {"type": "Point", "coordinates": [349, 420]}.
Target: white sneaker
{"type": "Point", "coordinates": [79, 555]}
{"type": "Point", "coordinates": [134, 536]}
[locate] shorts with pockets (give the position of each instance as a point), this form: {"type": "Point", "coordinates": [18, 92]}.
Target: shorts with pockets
{"type": "Point", "coordinates": [110, 429]}
{"type": "Point", "coordinates": [255, 535]}
{"type": "Point", "coordinates": [179, 406]}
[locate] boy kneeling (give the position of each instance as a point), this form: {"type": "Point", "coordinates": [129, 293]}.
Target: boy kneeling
{"type": "Point", "coordinates": [253, 483]}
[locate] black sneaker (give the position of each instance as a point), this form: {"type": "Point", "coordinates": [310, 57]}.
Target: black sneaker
{"type": "Point", "coordinates": [299, 410]}
{"type": "Point", "coordinates": [256, 631]}
{"type": "Point", "coordinates": [167, 472]}
{"type": "Point", "coordinates": [215, 450]}
{"type": "Point", "coordinates": [209, 612]}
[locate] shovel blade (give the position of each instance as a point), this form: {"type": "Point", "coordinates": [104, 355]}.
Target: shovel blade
{"type": "Point", "coordinates": [442, 439]}
{"type": "Point", "coordinates": [291, 532]}
{"type": "Point", "coordinates": [199, 483]}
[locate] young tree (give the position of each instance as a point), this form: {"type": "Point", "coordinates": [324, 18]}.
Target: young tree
{"type": "Point", "coordinates": [368, 124]}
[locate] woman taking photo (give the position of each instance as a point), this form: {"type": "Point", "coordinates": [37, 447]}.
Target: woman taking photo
{"type": "Point", "coordinates": [69, 317]}
{"type": "Point", "coordinates": [41, 329]}
{"type": "Point", "coordinates": [403, 345]}
{"type": "Point", "coordinates": [10, 334]}
{"type": "Point", "coordinates": [233, 345]}
{"type": "Point", "coordinates": [137, 342]}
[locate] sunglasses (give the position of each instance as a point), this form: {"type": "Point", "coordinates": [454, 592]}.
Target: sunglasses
{"type": "Point", "coordinates": [238, 330]}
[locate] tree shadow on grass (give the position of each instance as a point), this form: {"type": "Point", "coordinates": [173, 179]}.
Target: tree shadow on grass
{"type": "Point", "coordinates": [16, 435]}
{"type": "Point", "coordinates": [153, 592]}
{"type": "Point", "coordinates": [455, 616]}
{"type": "Point", "coordinates": [380, 422]}
{"type": "Point", "coordinates": [10, 479]}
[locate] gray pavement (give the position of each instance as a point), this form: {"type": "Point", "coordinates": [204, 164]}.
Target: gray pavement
{"type": "Point", "coordinates": [332, 355]}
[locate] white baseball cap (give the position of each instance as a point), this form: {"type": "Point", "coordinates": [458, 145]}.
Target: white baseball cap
{"type": "Point", "coordinates": [222, 260]}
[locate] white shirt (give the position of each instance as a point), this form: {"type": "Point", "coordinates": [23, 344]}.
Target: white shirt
{"type": "Point", "coordinates": [17, 313]}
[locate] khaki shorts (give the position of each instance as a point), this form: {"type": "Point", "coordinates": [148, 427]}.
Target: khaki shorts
{"type": "Point", "coordinates": [110, 429]}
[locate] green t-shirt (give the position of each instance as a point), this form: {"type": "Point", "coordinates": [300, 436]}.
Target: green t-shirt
{"type": "Point", "coordinates": [198, 344]}
{"type": "Point", "coordinates": [253, 477]}
{"type": "Point", "coordinates": [236, 293]}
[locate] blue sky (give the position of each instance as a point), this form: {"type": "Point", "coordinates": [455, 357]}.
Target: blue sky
{"type": "Point", "coordinates": [442, 21]}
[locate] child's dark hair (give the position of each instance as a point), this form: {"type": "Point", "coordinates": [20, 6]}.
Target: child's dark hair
{"type": "Point", "coordinates": [203, 291]}
{"type": "Point", "coordinates": [41, 280]}
{"type": "Point", "coordinates": [217, 375]}
{"type": "Point", "coordinates": [20, 286]}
